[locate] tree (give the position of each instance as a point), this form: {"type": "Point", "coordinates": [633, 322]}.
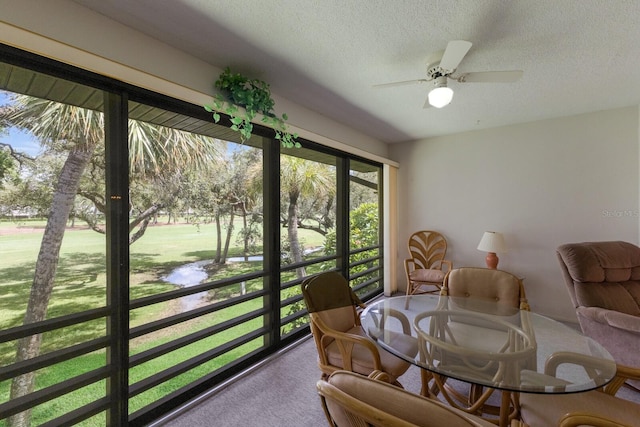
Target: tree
{"type": "Point", "coordinates": [300, 180]}
{"type": "Point", "coordinates": [79, 133]}
{"type": "Point", "coordinates": [363, 226]}
{"type": "Point", "coordinates": [363, 233]}
{"type": "Point", "coordinates": [246, 193]}
{"type": "Point", "coordinates": [27, 187]}
{"type": "Point", "coordinates": [10, 159]}
{"type": "Point", "coordinates": [207, 200]}
{"type": "Point", "coordinates": [7, 163]}
{"type": "Point", "coordinates": [223, 190]}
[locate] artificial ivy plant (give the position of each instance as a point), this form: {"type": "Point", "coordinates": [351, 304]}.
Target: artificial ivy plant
{"type": "Point", "coordinates": [238, 93]}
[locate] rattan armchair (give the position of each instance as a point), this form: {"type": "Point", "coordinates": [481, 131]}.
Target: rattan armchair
{"type": "Point", "coordinates": [351, 400]}
{"type": "Point", "coordinates": [599, 408]}
{"type": "Point", "coordinates": [341, 342]}
{"type": "Point", "coordinates": [501, 292]}
{"type": "Point", "coordinates": [426, 266]}
{"type": "Point", "coordinates": [485, 283]}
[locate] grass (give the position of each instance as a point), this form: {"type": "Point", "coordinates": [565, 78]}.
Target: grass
{"type": "Point", "coordinates": [81, 285]}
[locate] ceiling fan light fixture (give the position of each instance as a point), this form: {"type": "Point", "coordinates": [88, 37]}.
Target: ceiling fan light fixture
{"type": "Point", "coordinates": [440, 95]}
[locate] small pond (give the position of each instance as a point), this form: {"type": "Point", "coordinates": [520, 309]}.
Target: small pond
{"type": "Point", "coordinates": [193, 274]}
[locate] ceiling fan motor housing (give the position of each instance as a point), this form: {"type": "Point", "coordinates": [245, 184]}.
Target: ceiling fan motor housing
{"type": "Point", "coordinates": [440, 81]}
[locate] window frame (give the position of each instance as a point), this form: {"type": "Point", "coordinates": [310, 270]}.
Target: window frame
{"type": "Point", "coordinates": [117, 96]}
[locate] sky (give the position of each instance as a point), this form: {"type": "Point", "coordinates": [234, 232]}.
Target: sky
{"type": "Point", "coordinates": [20, 141]}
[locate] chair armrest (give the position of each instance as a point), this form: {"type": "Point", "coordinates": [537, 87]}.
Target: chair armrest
{"type": "Point", "coordinates": [615, 319]}
{"type": "Point", "coordinates": [623, 373]}
{"type": "Point", "coordinates": [624, 321]}
{"type": "Point", "coordinates": [592, 365]}
{"type": "Point", "coordinates": [353, 339]}
{"type": "Point", "coordinates": [385, 313]}
{"type": "Point", "coordinates": [441, 263]}
{"type": "Point", "coordinates": [379, 376]}
{"type": "Point", "coordinates": [576, 419]}
{"type": "Point", "coordinates": [407, 263]}
{"type": "Point", "coordinates": [448, 263]}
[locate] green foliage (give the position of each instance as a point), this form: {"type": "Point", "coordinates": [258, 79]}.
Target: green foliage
{"type": "Point", "coordinates": [7, 164]}
{"type": "Point", "coordinates": [254, 96]}
{"type": "Point", "coordinates": [363, 225]}
{"type": "Point", "coordinates": [363, 229]}
{"type": "Point", "coordinates": [363, 233]}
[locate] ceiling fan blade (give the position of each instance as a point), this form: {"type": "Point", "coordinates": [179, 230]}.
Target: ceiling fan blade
{"type": "Point", "coordinates": [453, 54]}
{"type": "Point", "coordinates": [491, 77]}
{"type": "Point", "coordinates": [404, 83]}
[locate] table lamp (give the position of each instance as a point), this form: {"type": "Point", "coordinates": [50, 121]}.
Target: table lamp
{"type": "Point", "coordinates": [491, 243]}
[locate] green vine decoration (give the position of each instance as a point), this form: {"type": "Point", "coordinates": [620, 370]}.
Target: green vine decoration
{"type": "Point", "coordinates": [254, 96]}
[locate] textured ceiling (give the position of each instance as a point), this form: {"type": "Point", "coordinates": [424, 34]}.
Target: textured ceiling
{"type": "Point", "coordinates": [578, 56]}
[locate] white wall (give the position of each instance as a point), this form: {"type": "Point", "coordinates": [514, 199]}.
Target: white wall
{"type": "Point", "coordinates": [542, 184]}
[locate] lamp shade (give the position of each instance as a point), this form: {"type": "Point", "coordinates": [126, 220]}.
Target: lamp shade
{"type": "Point", "coordinates": [440, 95]}
{"type": "Point", "coordinates": [492, 242]}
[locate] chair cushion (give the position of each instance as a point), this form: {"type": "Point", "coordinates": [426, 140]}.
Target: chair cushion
{"type": "Point", "coordinates": [340, 319]}
{"type": "Point", "coordinates": [362, 361]}
{"type": "Point", "coordinates": [623, 297]}
{"type": "Point", "coordinates": [326, 291]}
{"type": "Point", "coordinates": [544, 410]}
{"type": "Point", "coordinates": [601, 261]}
{"type": "Point", "coordinates": [410, 407]}
{"type": "Point", "coordinates": [427, 275]}
{"type": "Point", "coordinates": [495, 285]}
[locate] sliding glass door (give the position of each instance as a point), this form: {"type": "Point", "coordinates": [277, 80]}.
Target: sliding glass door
{"type": "Point", "coordinates": [147, 254]}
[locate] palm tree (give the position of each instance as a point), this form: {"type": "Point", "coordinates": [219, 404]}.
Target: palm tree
{"type": "Point", "coordinates": [301, 179]}
{"type": "Point", "coordinates": [79, 132]}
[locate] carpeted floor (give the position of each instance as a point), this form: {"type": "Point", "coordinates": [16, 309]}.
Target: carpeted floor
{"type": "Point", "coordinates": [280, 393]}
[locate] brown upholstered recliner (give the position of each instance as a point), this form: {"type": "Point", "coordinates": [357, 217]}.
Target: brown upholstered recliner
{"type": "Point", "coordinates": [603, 279]}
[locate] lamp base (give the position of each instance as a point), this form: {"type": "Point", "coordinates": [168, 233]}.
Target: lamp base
{"type": "Point", "coordinates": [492, 260]}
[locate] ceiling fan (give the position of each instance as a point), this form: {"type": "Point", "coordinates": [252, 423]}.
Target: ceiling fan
{"type": "Point", "coordinates": [441, 67]}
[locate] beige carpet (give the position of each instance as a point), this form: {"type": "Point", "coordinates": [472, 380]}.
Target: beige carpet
{"type": "Point", "coordinates": [280, 393]}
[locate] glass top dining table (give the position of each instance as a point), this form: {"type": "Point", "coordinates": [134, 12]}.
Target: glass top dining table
{"type": "Point", "coordinates": [490, 344]}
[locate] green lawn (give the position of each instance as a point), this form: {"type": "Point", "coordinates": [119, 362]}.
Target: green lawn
{"type": "Point", "coordinates": [81, 285]}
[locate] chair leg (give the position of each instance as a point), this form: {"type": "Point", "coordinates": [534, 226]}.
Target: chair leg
{"type": "Point", "coordinates": [429, 386]}
{"type": "Point", "coordinates": [425, 378]}
{"type": "Point", "coordinates": [409, 293]}
{"type": "Point", "coordinates": [406, 302]}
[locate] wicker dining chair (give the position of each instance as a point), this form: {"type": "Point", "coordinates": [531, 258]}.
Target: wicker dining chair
{"type": "Point", "coordinates": [426, 266]}
{"type": "Point", "coordinates": [351, 400]}
{"type": "Point", "coordinates": [598, 408]}
{"type": "Point", "coordinates": [485, 283]}
{"type": "Point", "coordinates": [341, 341]}
{"type": "Point", "coordinates": [507, 297]}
